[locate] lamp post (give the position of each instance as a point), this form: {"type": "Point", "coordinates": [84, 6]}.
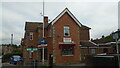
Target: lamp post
{"type": "Point", "coordinates": [43, 36]}
{"type": "Point", "coordinates": [115, 36]}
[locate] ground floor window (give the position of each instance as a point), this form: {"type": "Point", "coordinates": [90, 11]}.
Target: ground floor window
{"type": "Point", "coordinates": [114, 49]}
{"type": "Point", "coordinates": [31, 55]}
{"type": "Point", "coordinates": [93, 51]}
{"type": "Point", "coordinates": [105, 50]}
{"type": "Point", "coordinates": [67, 50]}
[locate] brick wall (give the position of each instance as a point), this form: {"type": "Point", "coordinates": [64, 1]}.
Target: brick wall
{"type": "Point", "coordinates": [84, 35]}
{"type": "Point", "coordinates": [54, 35]}
{"type": "Point", "coordinates": [74, 34]}
{"type": "Point", "coordinates": [30, 43]}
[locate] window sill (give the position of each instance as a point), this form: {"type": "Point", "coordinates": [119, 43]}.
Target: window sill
{"type": "Point", "coordinates": [67, 55]}
{"type": "Point", "coordinates": [31, 40]}
{"type": "Point", "coordinates": [66, 35]}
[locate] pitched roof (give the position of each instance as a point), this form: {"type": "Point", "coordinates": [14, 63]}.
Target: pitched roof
{"type": "Point", "coordinates": [87, 44]}
{"type": "Point", "coordinates": [83, 27]}
{"type": "Point", "coordinates": [32, 25]}
{"type": "Point", "coordinates": [104, 45]}
{"type": "Point", "coordinates": [62, 13]}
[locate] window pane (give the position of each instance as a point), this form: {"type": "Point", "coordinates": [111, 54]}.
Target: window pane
{"type": "Point", "coordinates": [31, 54]}
{"type": "Point", "coordinates": [31, 35]}
{"type": "Point", "coordinates": [92, 51]}
{"type": "Point", "coordinates": [67, 50]}
{"type": "Point", "coordinates": [66, 31]}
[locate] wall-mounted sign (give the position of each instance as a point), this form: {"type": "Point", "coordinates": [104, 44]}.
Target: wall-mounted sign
{"type": "Point", "coordinates": [67, 40]}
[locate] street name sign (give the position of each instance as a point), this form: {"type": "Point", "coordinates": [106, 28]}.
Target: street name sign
{"type": "Point", "coordinates": [31, 49]}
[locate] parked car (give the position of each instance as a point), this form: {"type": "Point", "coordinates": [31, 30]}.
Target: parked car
{"type": "Point", "coordinates": [15, 59]}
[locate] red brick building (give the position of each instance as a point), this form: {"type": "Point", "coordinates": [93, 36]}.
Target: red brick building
{"type": "Point", "coordinates": [63, 36]}
{"type": "Point", "coordinates": [7, 49]}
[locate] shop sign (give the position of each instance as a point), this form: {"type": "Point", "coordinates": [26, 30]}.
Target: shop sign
{"type": "Point", "coordinates": [67, 39]}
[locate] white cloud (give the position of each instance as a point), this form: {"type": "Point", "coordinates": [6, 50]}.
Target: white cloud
{"type": "Point", "coordinates": [0, 22]}
{"type": "Point", "coordinates": [60, 0]}
{"type": "Point", "coordinates": [101, 17]}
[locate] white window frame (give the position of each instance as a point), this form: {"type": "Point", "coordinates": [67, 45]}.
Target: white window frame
{"type": "Point", "coordinates": [67, 30]}
{"type": "Point", "coordinates": [31, 35]}
{"type": "Point", "coordinates": [31, 54]}
{"type": "Point", "coordinates": [67, 40]}
{"type": "Point", "coordinates": [68, 52]}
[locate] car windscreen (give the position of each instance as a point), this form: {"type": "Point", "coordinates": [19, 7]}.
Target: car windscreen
{"type": "Point", "coordinates": [16, 57]}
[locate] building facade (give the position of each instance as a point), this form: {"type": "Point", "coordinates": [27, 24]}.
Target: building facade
{"type": "Point", "coordinates": [64, 38]}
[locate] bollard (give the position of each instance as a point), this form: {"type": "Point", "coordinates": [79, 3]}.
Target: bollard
{"type": "Point", "coordinates": [50, 61]}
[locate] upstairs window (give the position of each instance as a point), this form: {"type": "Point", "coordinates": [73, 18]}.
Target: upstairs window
{"type": "Point", "coordinates": [31, 35]}
{"type": "Point", "coordinates": [66, 31]}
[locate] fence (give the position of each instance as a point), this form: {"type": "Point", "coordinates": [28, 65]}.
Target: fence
{"type": "Point", "coordinates": [102, 61]}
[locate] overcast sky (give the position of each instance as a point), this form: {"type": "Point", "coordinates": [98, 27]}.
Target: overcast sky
{"type": "Point", "coordinates": [102, 17]}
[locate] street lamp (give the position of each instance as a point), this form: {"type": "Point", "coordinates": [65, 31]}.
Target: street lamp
{"type": "Point", "coordinates": [115, 36]}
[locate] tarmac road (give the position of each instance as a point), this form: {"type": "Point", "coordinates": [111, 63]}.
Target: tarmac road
{"type": "Point", "coordinates": [7, 65]}
{"type": "Point", "coordinates": [0, 63]}
{"type": "Point", "coordinates": [81, 65]}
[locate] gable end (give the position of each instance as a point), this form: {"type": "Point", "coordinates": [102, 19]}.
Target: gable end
{"type": "Point", "coordinates": [66, 11]}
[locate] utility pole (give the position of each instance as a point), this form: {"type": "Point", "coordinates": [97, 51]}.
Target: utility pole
{"type": "Point", "coordinates": [117, 47]}
{"type": "Point", "coordinates": [43, 36]}
{"type": "Point", "coordinates": [115, 36]}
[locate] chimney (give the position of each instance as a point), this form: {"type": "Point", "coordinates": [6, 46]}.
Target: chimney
{"type": "Point", "coordinates": [46, 20]}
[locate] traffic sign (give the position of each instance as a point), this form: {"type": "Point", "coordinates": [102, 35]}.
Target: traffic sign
{"type": "Point", "coordinates": [42, 46]}
{"type": "Point", "coordinates": [42, 41]}
{"type": "Point", "coordinates": [31, 49]}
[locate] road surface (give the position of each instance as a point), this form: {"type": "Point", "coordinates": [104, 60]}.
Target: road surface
{"type": "Point", "coordinates": [0, 63]}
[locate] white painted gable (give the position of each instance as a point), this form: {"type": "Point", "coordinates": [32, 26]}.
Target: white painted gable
{"type": "Point", "coordinates": [62, 13]}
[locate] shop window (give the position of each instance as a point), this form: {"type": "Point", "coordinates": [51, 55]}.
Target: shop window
{"type": "Point", "coordinates": [66, 31]}
{"type": "Point", "coordinates": [67, 50]}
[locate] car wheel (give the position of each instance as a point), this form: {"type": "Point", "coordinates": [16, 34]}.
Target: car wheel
{"type": "Point", "coordinates": [15, 63]}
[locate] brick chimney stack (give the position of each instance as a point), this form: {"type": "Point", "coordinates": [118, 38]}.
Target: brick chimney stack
{"type": "Point", "coordinates": [46, 20]}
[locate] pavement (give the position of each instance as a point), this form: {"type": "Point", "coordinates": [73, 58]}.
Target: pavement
{"type": "Point", "coordinates": [0, 63]}
{"type": "Point", "coordinates": [80, 65]}
{"type": "Point", "coordinates": [77, 65]}
{"type": "Point", "coordinates": [7, 64]}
